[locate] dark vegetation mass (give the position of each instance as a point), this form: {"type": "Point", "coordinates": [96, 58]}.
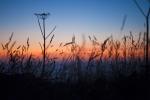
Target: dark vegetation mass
{"type": "Point", "coordinates": [113, 69]}
{"type": "Point", "coordinates": [120, 75]}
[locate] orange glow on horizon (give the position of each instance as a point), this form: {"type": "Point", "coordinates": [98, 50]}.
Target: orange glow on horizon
{"type": "Point", "coordinates": [85, 53]}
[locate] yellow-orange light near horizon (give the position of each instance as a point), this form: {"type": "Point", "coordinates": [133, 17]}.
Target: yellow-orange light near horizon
{"type": "Point", "coordinates": [64, 52]}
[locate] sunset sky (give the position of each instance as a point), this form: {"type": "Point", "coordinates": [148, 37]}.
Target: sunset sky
{"type": "Point", "coordinates": [101, 18]}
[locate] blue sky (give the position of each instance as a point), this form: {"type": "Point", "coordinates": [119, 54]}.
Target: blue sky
{"type": "Point", "coordinates": [89, 17]}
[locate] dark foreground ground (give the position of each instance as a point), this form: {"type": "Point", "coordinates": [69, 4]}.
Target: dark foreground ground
{"type": "Point", "coordinates": [27, 87]}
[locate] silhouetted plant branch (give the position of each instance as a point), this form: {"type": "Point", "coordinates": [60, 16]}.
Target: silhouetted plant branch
{"type": "Point", "coordinates": [146, 16]}
{"type": "Point", "coordinates": [44, 47]}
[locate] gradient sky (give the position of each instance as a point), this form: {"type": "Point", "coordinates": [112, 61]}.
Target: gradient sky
{"type": "Point", "coordinates": [101, 18]}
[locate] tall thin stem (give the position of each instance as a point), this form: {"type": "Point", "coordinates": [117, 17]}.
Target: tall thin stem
{"type": "Point", "coordinates": [146, 16]}
{"type": "Point", "coordinates": [147, 44]}
{"type": "Point", "coordinates": [44, 47]}
{"type": "Point", "coordinates": [44, 50]}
